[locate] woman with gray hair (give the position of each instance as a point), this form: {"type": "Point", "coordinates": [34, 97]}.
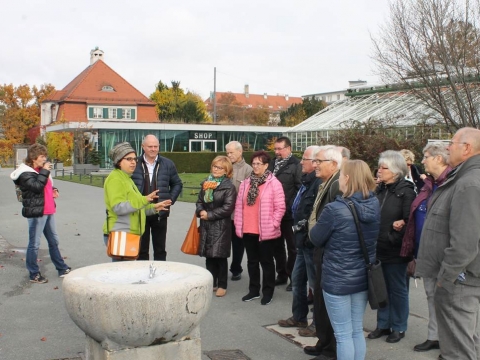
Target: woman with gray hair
{"type": "Point", "coordinates": [435, 160]}
{"type": "Point", "coordinates": [395, 195]}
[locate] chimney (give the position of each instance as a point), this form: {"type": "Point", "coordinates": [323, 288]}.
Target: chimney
{"type": "Point", "coordinates": [286, 97]}
{"type": "Point", "coordinates": [95, 54]}
{"type": "Point", "coordinates": [247, 93]}
{"type": "Point", "coordinates": [265, 96]}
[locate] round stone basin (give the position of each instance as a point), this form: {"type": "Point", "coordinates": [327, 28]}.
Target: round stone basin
{"type": "Point", "coordinates": [120, 306]}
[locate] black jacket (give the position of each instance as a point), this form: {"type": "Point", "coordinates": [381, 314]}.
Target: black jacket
{"type": "Point", "coordinates": [32, 185]}
{"type": "Point", "coordinates": [290, 175]}
{"type": "Point", "coordinates": [165, 179]}
{"type": "Point", "coordinates": [395, 201]}
{"type": "Point", "coordinates": [305, 205]}
{"type": "Point", "coordinates": [216, 232]}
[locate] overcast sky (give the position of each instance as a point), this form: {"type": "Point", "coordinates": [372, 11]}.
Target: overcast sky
{"type": "Point", "coordinates": [278, 46]}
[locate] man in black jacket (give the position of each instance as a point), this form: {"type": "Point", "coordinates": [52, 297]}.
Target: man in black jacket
{"type": "Point", "coordinates": [288, 171]}
{"type": "Point", "coordinates": [304, 269]}
{"type": "Point", "coordinates": [155, 172]}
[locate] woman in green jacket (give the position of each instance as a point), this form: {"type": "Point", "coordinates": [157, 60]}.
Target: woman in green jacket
{"type": "Point", "coordinates": [126, 206]}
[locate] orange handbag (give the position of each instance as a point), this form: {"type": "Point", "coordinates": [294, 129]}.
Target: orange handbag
{"type": "Point", "coordinates": [123, 245]}
{"type": "Point", "coordinates": [191, 243]}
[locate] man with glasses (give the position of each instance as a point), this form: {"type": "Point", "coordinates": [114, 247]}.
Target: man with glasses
{"type": "Point", "coordinates": [449, 249]}
{"type": "Point", "coordinates": [155, 172]}
{"type": "Point", "coordinates": [304, 269]}
{"type": "Point", "coordinates": [327, 165]}
{"type": "Point", "coordinates": [288, 171]}
{"type": "Point", "coordinates": [241, 170]}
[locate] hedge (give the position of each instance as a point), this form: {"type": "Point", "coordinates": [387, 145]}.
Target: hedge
{"type": "Point", "coordinates": [199, 162]}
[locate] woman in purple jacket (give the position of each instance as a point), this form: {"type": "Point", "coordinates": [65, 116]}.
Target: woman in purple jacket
{"type": "Point", "coordinates": [259, 210]}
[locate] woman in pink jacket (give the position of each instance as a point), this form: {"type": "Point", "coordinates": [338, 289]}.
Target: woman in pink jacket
{"type": "Point", "coordinates": [258, 212]}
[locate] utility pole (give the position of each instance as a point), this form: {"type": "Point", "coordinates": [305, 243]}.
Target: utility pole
{"type": "Point", "coordinates": [214, 95]}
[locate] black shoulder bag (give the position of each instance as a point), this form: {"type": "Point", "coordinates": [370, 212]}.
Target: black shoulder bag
{"type": "Point", "coordinates": [377, 289]}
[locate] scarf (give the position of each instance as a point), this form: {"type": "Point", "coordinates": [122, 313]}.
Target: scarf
{"type": "Point", "coordinates": [255, 182]}
{"type": "Point", "coordinates": [209, 185]}
{"type": "Point", "coordinates": [280, 163]}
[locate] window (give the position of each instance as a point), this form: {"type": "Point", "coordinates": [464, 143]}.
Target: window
{"type": "Point", "coordinates": [338, 97]}
{"type": "Point", "coordinates": [108, 88]}
{"type": "Point", "coordinates": [97, 113]}
{"type": "Point", "coordinates": [127, 113]}
{"type": "Point", "coordinates": [112, 113]}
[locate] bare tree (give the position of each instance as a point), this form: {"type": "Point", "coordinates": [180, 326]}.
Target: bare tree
{"type": "Point", "coordinates": [432, 49]}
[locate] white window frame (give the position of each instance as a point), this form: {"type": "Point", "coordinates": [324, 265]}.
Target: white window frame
{"type": "Point", "coordinates": [98, 113]}
{"type": "Point", "coordinates": [112, 113]}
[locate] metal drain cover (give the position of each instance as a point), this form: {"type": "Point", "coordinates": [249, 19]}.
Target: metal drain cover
{"type": "Point", "coordinates": [226, 355]}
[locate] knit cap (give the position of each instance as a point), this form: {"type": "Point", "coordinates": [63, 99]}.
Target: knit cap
{"type": "Point", "coordinates": [119, 151]}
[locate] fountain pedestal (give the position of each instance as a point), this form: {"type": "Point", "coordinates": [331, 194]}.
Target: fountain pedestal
{"type": "Point", "coordinates": [128, 315]}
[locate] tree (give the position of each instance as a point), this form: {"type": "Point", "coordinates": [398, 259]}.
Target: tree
{"type": "Point", "coordinates": [229, 110]}
{"type": "Point", "coordinates": [431, 48]}
{"type": "Point", "coordinates": [21, 109]}
{"type": "Point", "coordinates": [174, 105]}
{"type": "Point", "coordinates": [366, 140]}
{"type": "Point", "coordinates": [60, 146]}
{"type": "Point", "coordinates": [297, 113]}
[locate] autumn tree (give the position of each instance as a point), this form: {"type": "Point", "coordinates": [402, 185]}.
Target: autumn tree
{"type": "Point", "coordinates": [432, 49]}
{"type": "Point", "coordinates": [19, 113]}
{"type": "Point", "coordinates": [229, 109]}
{"type": "Point", "coordinates": [174, 105]}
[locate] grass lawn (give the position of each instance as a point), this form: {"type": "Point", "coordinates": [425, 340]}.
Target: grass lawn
{"type": "Point", "coordinates": [191, 183]}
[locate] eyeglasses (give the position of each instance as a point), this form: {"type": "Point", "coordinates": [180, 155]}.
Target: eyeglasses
{"type": "Point", "coordinates": [305, 159]}
{"type": "Point", "coordinates": [130, 159]}
{"type": "Point", "coordinates": [429, 156]}
{"type": "Point", "coordinates": [257, 164]}
{"type": "Point", "coordinates": [217, 167]}
{"type": "Point", "coordinates": [450, 143]}
{"type": "Point", "coordinates": [318, 161]}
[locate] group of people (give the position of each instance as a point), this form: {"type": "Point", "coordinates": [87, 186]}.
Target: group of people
{"type": "Point", "coordinates": [301, 221]}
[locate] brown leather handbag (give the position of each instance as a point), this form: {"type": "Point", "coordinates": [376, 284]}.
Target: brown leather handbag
{"type": "Point", "coordinates": [191, 243]}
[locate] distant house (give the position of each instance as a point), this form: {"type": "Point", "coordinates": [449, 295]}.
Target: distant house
{"type": "Point", "coordinates": [98, 93]}
{"type": "Point", "coordinates": [274, 103]}
{"type": "Point", "coordinates": [330, 97]}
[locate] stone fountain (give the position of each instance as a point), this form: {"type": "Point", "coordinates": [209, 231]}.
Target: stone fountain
{"type": "Point", "coordinates": [137, 310]}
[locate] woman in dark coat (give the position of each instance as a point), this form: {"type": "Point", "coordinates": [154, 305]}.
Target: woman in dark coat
{"type": "Point", "coordinates": [395, 195]}
{"type": "Point", "coordinates": [215, 205]}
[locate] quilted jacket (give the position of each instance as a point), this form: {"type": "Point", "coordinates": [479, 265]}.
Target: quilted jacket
{"type": "Point", "coordinates": [344, 270]}
{"type": "Point", "coordinates": [271, 209]}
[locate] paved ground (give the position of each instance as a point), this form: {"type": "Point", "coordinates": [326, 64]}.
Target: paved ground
{"type": "Point", "coordinates": [34, 324]}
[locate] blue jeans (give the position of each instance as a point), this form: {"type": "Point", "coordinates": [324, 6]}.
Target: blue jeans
{"type": "Point", "coordinates": [37, 226]}
{"type": "Point", "coordinates": [395, 315]}
{"type": "Point", "coordinates": [303, 272]}
{"type": "Point", "coordinates": [346, 315]}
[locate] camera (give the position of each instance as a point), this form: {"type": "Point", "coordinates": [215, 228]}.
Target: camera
{"type": "Point", "coordinates": [300, 226]}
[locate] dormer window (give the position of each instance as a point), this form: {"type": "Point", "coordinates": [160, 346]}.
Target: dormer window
{"type": "Point", "coordinates": [108, 88]}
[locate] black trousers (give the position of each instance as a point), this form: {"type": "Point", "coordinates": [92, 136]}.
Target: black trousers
{"type": "Point", "coordinates": [238, 248]}
{"type": "Point", "coordinates": [284, 265]}
{"type": "Point", "coordinates": [158, 228]}
{"type": "Point", "coordinates": [260, 253]}
{"type": "Point", "coordinates": [218, 267]}
{"type": "Point", "coordinates": [323, 326]}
